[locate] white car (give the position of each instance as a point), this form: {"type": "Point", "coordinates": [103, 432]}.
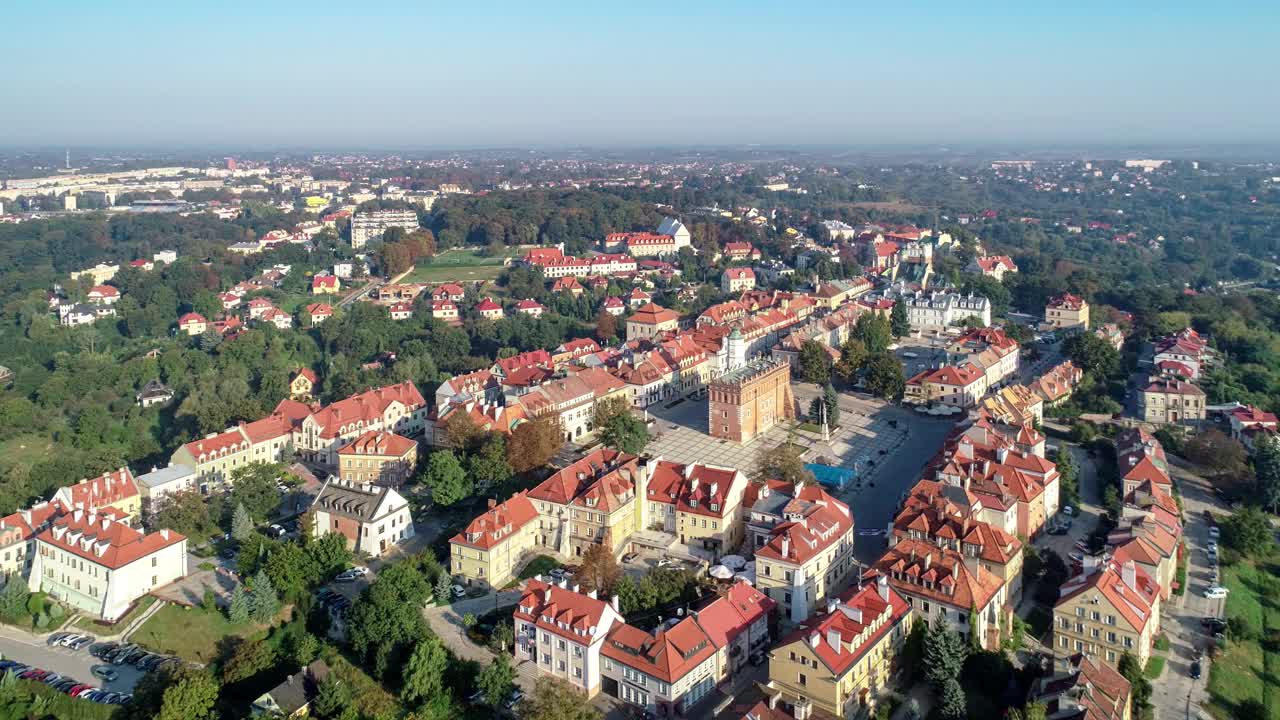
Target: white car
{"type": "Point", "coordinates": [1068, 511]}
{"type": "Point", "coordinates": [459, 591]}
{"type": "Point", "coordinates": [1214, 533]}
{"type": "Point", "coordinates": [1216, 592]}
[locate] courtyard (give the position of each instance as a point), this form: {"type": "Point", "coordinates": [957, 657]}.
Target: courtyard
{"type": "Point", "coordinates": [887, 446]}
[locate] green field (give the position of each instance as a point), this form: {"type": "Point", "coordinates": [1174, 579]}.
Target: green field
{"type": "Point", "coordinates": [1243, 681]}
{"type": "Point", "coordinates": [190, 633]}
{"type": "Point", "coordinates": [458, 265]}
{"type": "Point", "coordinates": [24, 450]}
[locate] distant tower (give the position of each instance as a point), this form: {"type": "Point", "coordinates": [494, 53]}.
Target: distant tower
{"type": "Point", "coordinates": [231, 164]}
{"type": "Point", "coordinates": [737, 349]}
{"type": "Point", "coordinates": [68, 158]}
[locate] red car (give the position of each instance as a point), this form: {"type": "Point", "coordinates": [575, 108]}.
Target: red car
{"type": "Point", "coordinates": [34, 674]}
{"type": "Point", "coordinates": [75, 691]}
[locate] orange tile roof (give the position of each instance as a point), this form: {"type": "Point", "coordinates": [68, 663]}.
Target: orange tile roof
{"type": "Point", "coordinates": [862, 618]}
{"type": "Point", "coordinates": [916, 567]}
{"type": "Point", "coordinates": [562, 612]}
{"type": "Point", "coordinates": [815, 521]}
{"type": "Point", "coordinates": [109, 543]}
{"type": "Point", "coordinates": [377, 442]}
{"type": "Point", "coordinates": [572, 483]}
{"type": "Point", "coordinates": [106, 489]}
{"type": "Point", "coordinates": [1134, 604]}
{"type": "Point", "coordinates": [498, 523]}
{"type": "Point", "coordinates": [667, 655]}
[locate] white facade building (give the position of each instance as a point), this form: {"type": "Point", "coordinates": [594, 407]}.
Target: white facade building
{"type": "Point", "coordinates": [366, 226]}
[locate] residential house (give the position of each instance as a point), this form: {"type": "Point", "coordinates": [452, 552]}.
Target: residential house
{"type": "Point", "coordinates": [378, 458]}
{"type": "Point", "coordinates": [532, 308]}
{"type": "Point", "coordinates": [162, 483]}
{"type": "Point", "coordinates": [319, 312]}
{"type": "Point", "coordinates": [1081, 688]}
{"type": "Point", "coordinates": [193, 324]}
{"type": "Point", "coordinates": [153, 393]}
{"type": "Point", "coordinates": [563, 633]}
{"type": "Point", "coordinates": [945, 587]}
{"type": "Point", "coordinates": [325, 285]}
{"type": "Point", "coordinates": [103, 295]}
{"type": "Point", "coordinates": [1066, 311]}
{"type": "Point", "coordinates": [1166, 401]}
{"type": "Point", "coordinates": [650, 320]}
{"type": "Point", "coordinates": [803, 540]}
{"type": "Point", "coordinates": [89, 560]}
{"type": "Point", "coordinates": [1057, 384]}
{"type": "Point", "coordinates": [737, 279]}
{"type": "Point", "coordinates": [489, 310]}
{"type": "Point", "coordinates": [491, 549]}
{"type": "Point", "coordinates": [697, 503]}
{"type": "Point", "coordinates": [1248, 423]}
{"type": "Point", "coordinates": [303, 384]}
{"type": "Point", "coordinates": [960, 386]}
{"type": "Point", "coordinates": [1107, 610]}
{"type": "Point", "coordinates": [990, 350]}
{"type": "Point", "coordinates": [115, 489]}
{"type": "Point", "coordinates": [293, 697]}
{"type": "Point", "coordinates": [993, 266]}
{"type": "Point", "coordinates": [844, 660]}
{"type": "Point", "coordinates": [374, 519]}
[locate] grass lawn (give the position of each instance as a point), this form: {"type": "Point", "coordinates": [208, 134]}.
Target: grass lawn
{"type": "Point", "coordinates": [24, 450]}
{"type": "Point", "coordinates": [540, 565]}
{"type": "Point", "coordinates": [89, 624]}
{"type": "Point", "coordinates": [1155, 666]}
{"type": "Point", "coordinates": [190, 633]}
{"type": "Point", "coordinates": [1246, 673]}
{"type": "Point", "coordinates": [458, 264]}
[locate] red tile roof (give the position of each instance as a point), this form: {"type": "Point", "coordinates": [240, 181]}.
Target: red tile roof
{"type": "Point", "coordinates": [377, 442]}
{"type": "Point", "coordinates": [863, 617]}
{"type": "Point", "coordinates": [561, 611]}
{"type": "Point", "coordinates": [105, 542]}
{"type": "Point", "coordinates": [667, 655]}
{"type": "Point", "coordinates": [498, 523]}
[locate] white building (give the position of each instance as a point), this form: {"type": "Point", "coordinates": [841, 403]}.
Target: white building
{"type": "Point", "coordinates": [366, 226]}
{"type": "Point", "coordinates": [942, 309]}
{"type": "Point", "coordinates": [562, 632]}
{"type": "Point", "coordinates": [676, 229]}
{"type": "Point", "coordinates": [373, 518]}
{"type": "Point", "coordinates": [96, 564]}
{"type": "Point", "coordinates": [163, 482]}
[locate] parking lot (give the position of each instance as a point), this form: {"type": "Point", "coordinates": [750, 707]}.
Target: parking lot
{"type": "Point", "coordinates": [70, 664]}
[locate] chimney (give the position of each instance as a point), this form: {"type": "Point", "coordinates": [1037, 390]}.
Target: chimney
{"type": "Point", "coordinates": [614, 602]}
{"type": "Point", "coordinates": [546, 595]}
{"type": "Point", "coordinates": [831, 605]}
{"type": "Point", "coordinates": [592, 595]}
{"type": "Point", "coordinates": [1001, 455]}
{"type": "Point", "coordinates": [1129, 573]}
{"type": "Point", "coordinates": [786, 546]}
{"type": "Point", "coordinates": [803, 710]}
{"type": "Point", "coordinates": [492, 503]}
{"type": "Point", "coordinates": [575, 587]}
{"type": "Point", "coordinates": [833, 639]}
{"type": "Point", "coordinates": [164, 534]}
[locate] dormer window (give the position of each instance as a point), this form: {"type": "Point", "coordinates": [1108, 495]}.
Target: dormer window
{"type": "Point", "coordinates": [715, 507]}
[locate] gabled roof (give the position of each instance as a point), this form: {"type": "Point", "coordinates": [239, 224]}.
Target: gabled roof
{"type": "Point", "coordinates": [863, 616]}
{"type": "Point", "coordinates": [105, 541]}
{"type": "Point", "coordinates": [561, 611]}
{"type": "Point", "coordinates": [498, 523]}
{"type": "Point", "coordinates": [667, 655]}
{"type": "Point", "coordinates": [1132, 603]}
{"type": "Point", "coordinates": [813, 521]}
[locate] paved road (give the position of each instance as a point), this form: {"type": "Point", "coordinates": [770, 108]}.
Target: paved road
{"type": "Point", "coordinates": [33, 650]}
{"type": "Point", "coordinates": [1176, 696]}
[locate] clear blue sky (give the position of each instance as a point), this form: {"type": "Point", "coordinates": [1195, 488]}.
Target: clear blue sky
{"type": "Point", "coordinates": [418, 74]}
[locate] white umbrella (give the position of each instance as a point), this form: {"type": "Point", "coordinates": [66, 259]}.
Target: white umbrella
{"type": "Point", "coordinates": [733, 562]}
{"type": "Point", "coordinates": [721, 572]}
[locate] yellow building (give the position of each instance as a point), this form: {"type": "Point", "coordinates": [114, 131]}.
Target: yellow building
{"type": "Point", "coordinates": [303, 385]}
{"type": "Point", "coordinates": [116, 490]}
{"type": "Point", "coordinates": [1106, 611]}
{"type": "Point", "coordinates": [378, 458]}
{"type": "Point", "coordinates": [843, 661]}
{"type": "Point", "coordinates": [803, 539]}
{"type": "Point", "coordinates": [490, 550]}
{"type": "Point", "coordinates": [1067, 311]}
{"type": "Point", "coordinates": [699, 504]}
{"type": "Point", "coordinates": [650, 320]}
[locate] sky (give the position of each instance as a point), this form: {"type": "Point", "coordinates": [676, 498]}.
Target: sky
{"type": "Point", "coordinates": [390, 74]}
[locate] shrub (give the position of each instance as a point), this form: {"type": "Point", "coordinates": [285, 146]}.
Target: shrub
{"type": "Point", "coordinates": [55, 611]}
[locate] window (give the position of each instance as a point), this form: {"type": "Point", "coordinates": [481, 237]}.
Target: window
{"type": "Point", "coordinates": [800, 678]}
{"type": "Point", "coordinates": [562, 645]}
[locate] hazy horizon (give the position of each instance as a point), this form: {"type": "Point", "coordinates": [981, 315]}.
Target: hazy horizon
{"type": "Point", "coordinates": [398, 75]}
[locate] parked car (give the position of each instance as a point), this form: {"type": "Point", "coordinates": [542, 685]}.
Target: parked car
{"type": "Point", "coordinates": [513, 699]}
{"type": "Point", "coordinates": [1215, 592]}
{"type": "Point", "coordinates": [1059, 530]}
{"type": "Point", "coordinates": [57, 638]}
{"type": "Point", "coordinates": [459, 592]}
{"type": "Point", "coordinates": [1195, 670]}
{"type": "Point", "coordinates": [80, 643]}
{"type": "Point", "coordinates": [1068, 511]}
{"type": "Point", "coordinates": [629, 557]}
{"type": "Point", "coordinates": [275, 531]}
{"type": "Point", "coordinates": [105, 672]}
{"type": "Point", "coordinates": [346, 576]}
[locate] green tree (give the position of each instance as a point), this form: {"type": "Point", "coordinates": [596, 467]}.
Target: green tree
{"type": "Point", "coordinates": [852, 355]}
{"type": "Point", "coordinates": [944, 655]}
{"type": "Point", "coordinates": [1266, 465]}
{"type": "Point", "coordinates": [625, 432]}
{"type": "Point", "coordinates": [1248, 530]}
{"type": "Point", "coordinates": [1139, 685]}
{"type": "Point", "coordinates": [781, 462]}
{"type": "Point", "coordinates": [238, 609]}
{"type": "Point", "coordinates": [177, 693]}
{"type": "Point", "coordinates": [254, 487]}
{"type": "Point", "coordinates": [832, 401]}
{"type": "Point", "coordinates": [263, 601]}
{"type": "Point", "coordinates": [241, 523]}
{"type": "Point", "coordinates": [446, 478]}
{"type": "Point", "coordinates": [975, 637]}
{"type": "Point", "coordinates": [329, 554]}
{"type": "Point", "coordinates": [599, 570]}
{"type": "Point", "coordinates": [555, 699]}
{"type": "Point", "coordinates": [1092, 354]}
{"type": "Point", "coordinates": [488, 466]}
{"type": "Point", "coordinates": [303, 649]}
{"type": "Point", "coordinates": [951, 700]}
{"type": "Point", "coordinates": [1030, 711]}
{"type": "Point", "coordinates": [1068, 477]}
{"type": "Point", "coordinates": [249, 658]}
{"type": "Point", "coordinates": [884, 376]}
{"type": "Point", "coordinates": [815, 362]}
{"type": "Point", "coordinates": [13, 600]}
{"type": "Point", "coordinates": [874, 332]}
{"type": "Point", "coordinates": [424, 673]}
{"type": "Point", "coordinates": [386, 622]}
{"type": "Point", "coordinates": [443, 591]}
{"type": "Point", "coordinates": [332, 699]}
{"type": "Point", "coordinates": [496, 680]}
{"type": "Point", "coordinates": [899, 325]}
